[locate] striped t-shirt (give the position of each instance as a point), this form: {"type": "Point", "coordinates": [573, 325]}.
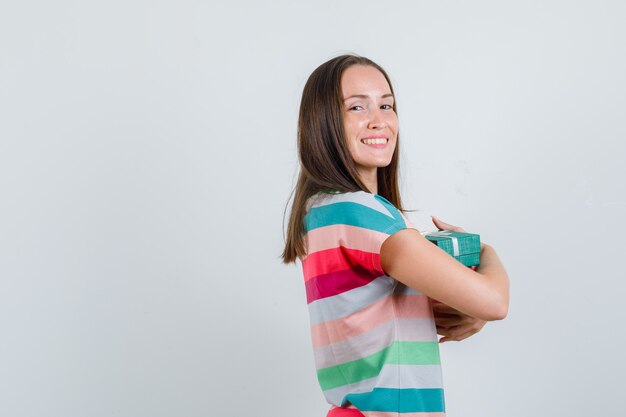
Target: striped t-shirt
{"type": "Point", "coordinates": [374, 338]}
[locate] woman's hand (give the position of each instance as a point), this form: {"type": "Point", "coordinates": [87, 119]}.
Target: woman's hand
{"type": "Point", "coordinates": [451, 323]}
{"type": "Point", "coordinates": [454, 325]}
{"type": "Point", "coordinates": [445, 226]}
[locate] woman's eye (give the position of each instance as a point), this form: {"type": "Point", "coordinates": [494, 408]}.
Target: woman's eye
{"type": "Point", "coordinates": [386, 107]}
{"type": "Point", "coordinates": [357, 107]}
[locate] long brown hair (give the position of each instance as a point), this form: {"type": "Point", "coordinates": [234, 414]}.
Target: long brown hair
{"type": "Point", "coordinates": [325, 161]}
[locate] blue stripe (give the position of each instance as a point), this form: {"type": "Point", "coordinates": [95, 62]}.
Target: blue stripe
{"type": "Point", "coordinates": [354, 214]}
{"type": "Point", "coordinates": [423, 400]}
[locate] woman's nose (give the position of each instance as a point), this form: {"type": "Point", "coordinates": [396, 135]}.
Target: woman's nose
{"type": "Point", "coordinates": [377, 120]}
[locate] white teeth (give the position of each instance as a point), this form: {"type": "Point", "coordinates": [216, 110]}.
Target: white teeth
{"type": "Point", "coordinates": [377, 141]}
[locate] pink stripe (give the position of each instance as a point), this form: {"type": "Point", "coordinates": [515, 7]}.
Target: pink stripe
{"type": "Point", "coordinates": [336, 283]}
{"type": "Point", "coordinates": [398, 305]}
{"type": "Point", "coordinates": [344, 412]}
{"type": "Point", "coordinates": [334, 260]}
{"type": "Point", "coordinates": [413, 306]}
{"type": "Point", "coordinates": [351, 237]}
{"type": "Point", "coordinates": [352, 411]}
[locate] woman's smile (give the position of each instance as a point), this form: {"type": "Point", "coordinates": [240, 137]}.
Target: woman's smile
{"type": "Point", "coordinates": [370, 121]}
{"type": "Point", "coordinates": [375, 142]}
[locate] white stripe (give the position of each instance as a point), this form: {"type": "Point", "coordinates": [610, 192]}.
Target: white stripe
{"type": "Point", "coordinates": [349, 302]}
{"type": "Point", "coordinates": [403, 289]}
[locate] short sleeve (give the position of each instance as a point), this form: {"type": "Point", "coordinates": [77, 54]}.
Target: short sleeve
{"type": "Point", "coordinates": [355, 225]}
{"type": "Point", "coordinates": [397, 221]}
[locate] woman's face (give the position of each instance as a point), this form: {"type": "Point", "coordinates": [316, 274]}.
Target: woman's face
{"type": "Point", "coordinates": [370, 123]}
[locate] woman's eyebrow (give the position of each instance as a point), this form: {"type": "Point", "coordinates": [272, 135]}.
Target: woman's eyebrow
{"type": "Point", "coordinates": [366, 96]}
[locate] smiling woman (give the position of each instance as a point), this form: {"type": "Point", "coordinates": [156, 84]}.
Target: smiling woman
{"type": "Point", "coordinates": [368, 272]}
{"type": "Point", "coordinates": [370, 121]}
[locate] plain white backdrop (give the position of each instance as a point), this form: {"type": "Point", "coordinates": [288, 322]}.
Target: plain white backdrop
{"type": "Point", "coordinates": [147, 151]}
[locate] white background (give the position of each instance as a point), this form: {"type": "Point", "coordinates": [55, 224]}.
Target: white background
{"type": "Point", "coordinates": [147, 151]}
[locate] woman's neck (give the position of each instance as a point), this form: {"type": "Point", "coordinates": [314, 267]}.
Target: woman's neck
{"type": "Point", "coordinates": [370, 180]}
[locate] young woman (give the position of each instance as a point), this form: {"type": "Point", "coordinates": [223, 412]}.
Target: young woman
{"type": "Point", "coordinates": [368, 272]}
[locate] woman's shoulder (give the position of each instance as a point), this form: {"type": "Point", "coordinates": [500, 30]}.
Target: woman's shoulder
{"type": "Point", "coordinates": [357, 208]}
{"type": "Point", "coordinates": [358, 198]}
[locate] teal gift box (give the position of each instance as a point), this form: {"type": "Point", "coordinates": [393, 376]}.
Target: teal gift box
{"type": "Point", "coordinates": [464, 247]}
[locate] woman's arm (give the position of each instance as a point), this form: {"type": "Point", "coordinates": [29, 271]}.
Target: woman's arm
{"type": "Point", "coordinates": [454, 325]}
{"type": "Point", "coordinates": [413, 260]}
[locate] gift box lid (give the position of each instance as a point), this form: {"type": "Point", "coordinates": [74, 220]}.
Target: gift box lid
{"type": "Point", "coordinates": [455, 243]}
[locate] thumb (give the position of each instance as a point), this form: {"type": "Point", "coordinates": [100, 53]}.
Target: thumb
{"type": "Point", "coordinates": [441, 224]}
{"type": "Point", "coordinates": [445, 226]}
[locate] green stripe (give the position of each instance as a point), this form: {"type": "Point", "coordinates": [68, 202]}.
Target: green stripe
{"type": "Point", "coordinates": [353, 214]}
{"type": "Point", "coordinates": [398, 353]}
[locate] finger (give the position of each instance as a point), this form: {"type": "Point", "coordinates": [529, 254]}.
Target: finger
{"type": "Point", "coordinates": [462, 325]}
{"type": "Point", "coordinates": [463, 336]}
{"type": "Point", "coordinates": [443, 331]}
{"type": "Point", "coordinates": [441, 224]}
{"type": "Point", "coordinates": [462, 332]}
{"type": "Point", "coordinates": [449, 329]}
{"type": "Point", "coordinates": [455, 334]}
{"type": "Point", "coordinates": [448, 321]}
{"type": "Point", "coordinates": [446, 331]}
{"type": "Point", "coordinates": [446, 226]}
{"type": "Point", "coordinates": [447, 339]}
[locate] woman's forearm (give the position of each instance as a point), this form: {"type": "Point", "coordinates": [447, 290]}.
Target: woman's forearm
{"type": "Point", "coordinates": [492, 269]}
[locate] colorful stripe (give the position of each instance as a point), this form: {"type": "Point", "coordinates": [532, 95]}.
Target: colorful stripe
{"type": "Point", "coordinates": [400, 400]}
{"type": "Point", "coordinates": [353, 412]}
{"type": "Point", "coordinates": [353, 215]}
{"type": "Point", "coordinates": [337, 282]}
{"type": "Point", "coordinates": [410, 330]}
{"type": "Point", "coordinates": [347, 303]}
{"type": "Point", "coordinates": [351, 237]}
{"type": "Point", "coordinates": [374, 339]}
{"type": "Point", "coordinates": [416, 376]}
{"type": "Point", "coordinates": [335, 260]}
{"type": "Point", "coordinates": [395, 414]}
{"type": "Point", "coordinates": [388, 308]}
{"type": "Point", "coordinates": [365, 199]}
{"type": "Point", "coordinates": [398, 353]}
